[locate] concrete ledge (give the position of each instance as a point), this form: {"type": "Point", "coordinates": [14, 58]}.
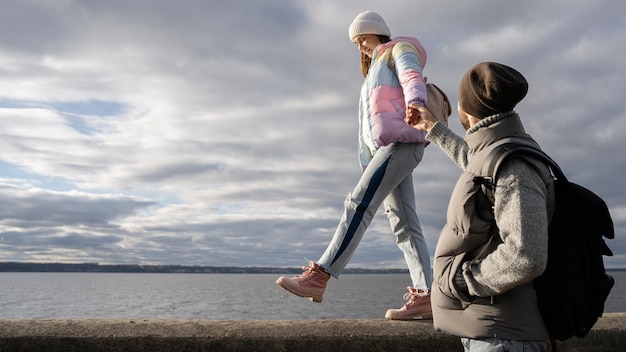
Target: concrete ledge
{"type": "Point", "coordinates": [95, 335]}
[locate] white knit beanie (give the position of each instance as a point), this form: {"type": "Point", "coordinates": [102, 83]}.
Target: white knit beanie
{"type": "Point", "coordinates": [368, 22]}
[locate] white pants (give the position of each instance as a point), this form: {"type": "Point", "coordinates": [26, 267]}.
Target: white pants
{"type": "Point", "coordinates": [388, 178]}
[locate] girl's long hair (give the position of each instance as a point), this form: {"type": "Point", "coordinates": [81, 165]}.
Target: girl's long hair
{"type": "Point", "coordinates": [366, 61]}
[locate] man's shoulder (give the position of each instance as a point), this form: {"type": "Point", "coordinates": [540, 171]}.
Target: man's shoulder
{"type": "Point", "coordinates": [517, 173]}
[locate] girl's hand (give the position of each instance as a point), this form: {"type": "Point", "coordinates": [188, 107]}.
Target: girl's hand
{"type": "Point", "coordinates": [420, 118]}
{"type": "Point", "coordinates": [412, 115]}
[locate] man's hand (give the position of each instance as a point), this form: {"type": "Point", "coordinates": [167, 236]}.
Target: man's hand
{"type": "Point", "coordinates": [420, 118]}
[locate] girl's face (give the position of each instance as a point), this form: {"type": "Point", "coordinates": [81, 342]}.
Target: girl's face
{"type": "Point", "coordinates": [366, 43]}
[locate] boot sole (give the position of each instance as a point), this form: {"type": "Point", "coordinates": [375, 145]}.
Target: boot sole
{"type": "Point", "coordinates": [428, 316]}
{"type": "Point", "coordinates": [316, 299]}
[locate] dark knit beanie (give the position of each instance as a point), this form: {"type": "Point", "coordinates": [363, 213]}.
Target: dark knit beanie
{"type": "Point", "coordinates": [489, 88]}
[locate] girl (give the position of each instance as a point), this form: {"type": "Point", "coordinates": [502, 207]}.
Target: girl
{"type": "Point", "coordinates": [389, 150]}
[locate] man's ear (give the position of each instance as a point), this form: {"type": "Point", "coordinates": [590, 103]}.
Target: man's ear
{"type": "Point", "coordinates": [472, 120]}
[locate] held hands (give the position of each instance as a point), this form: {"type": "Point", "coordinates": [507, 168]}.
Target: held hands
{"type": "Point", "coordinates": [420, 118]}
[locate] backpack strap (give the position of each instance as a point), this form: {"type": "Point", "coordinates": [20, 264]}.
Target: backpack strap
{"type": "Point", "coordinates": [497, 156]}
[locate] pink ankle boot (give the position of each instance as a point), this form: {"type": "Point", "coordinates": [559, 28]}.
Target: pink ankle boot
{"type": "Point", "coordinates": [417, 307]}
{"type": "Point", "coordinates": [311, 284]}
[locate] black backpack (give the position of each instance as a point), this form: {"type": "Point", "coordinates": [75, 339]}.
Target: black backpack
{"type": "Point", "coordinates": [572, 290]}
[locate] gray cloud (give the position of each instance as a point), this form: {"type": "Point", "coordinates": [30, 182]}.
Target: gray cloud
{"type": "Point", "coordinates": [224, 133]}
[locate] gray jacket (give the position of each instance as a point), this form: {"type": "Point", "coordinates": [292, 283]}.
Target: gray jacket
{"type": "Point", "coordinates": [498, 263]}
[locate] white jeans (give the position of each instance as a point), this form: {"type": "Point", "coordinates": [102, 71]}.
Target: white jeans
{"type": "Point", "coordinates": [388, 178]}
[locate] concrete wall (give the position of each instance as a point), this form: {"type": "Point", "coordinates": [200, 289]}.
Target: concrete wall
{"type": "Point", "coordinates": [95, 335]}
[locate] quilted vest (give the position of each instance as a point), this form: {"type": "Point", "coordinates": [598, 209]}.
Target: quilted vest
{"type": "Point", "coordinates": [513, 315]}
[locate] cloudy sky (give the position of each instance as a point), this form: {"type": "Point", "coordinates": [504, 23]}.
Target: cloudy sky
{"type": "Point", "coordinates": [224, 133]}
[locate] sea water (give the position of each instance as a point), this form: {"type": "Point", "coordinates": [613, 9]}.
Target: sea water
{"type": "Point", "coordinates": [207, 296]}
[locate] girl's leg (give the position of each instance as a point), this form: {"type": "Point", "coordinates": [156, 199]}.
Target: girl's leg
{"type": "Point", "coordinates": [400, 208]}
{"type": "Point", "coordinates": [389, 167]}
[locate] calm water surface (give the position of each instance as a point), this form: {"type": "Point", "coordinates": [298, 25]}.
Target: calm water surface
{"type": "Point", "coordinates": [207, 296]}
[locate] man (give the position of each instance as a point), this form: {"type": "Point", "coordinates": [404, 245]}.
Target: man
{"type": "Point", "coordinates": [483, 270]}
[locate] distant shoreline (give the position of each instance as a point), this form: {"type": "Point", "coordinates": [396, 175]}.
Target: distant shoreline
{"type": "Point", "coordinates": [19, 267]}
{"type": "Point", "coordinates": [174, 269]}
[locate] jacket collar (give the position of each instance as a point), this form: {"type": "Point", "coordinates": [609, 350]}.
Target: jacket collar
{"type": "Point", "coordinates": [493, 128]}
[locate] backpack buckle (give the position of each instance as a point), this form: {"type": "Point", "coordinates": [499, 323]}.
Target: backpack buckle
{"type": "Point", "coordinates": [483, 180]}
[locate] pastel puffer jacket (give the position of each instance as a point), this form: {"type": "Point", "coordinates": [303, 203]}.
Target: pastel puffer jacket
{"type": "Point", "coordinates": [386, 93]}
